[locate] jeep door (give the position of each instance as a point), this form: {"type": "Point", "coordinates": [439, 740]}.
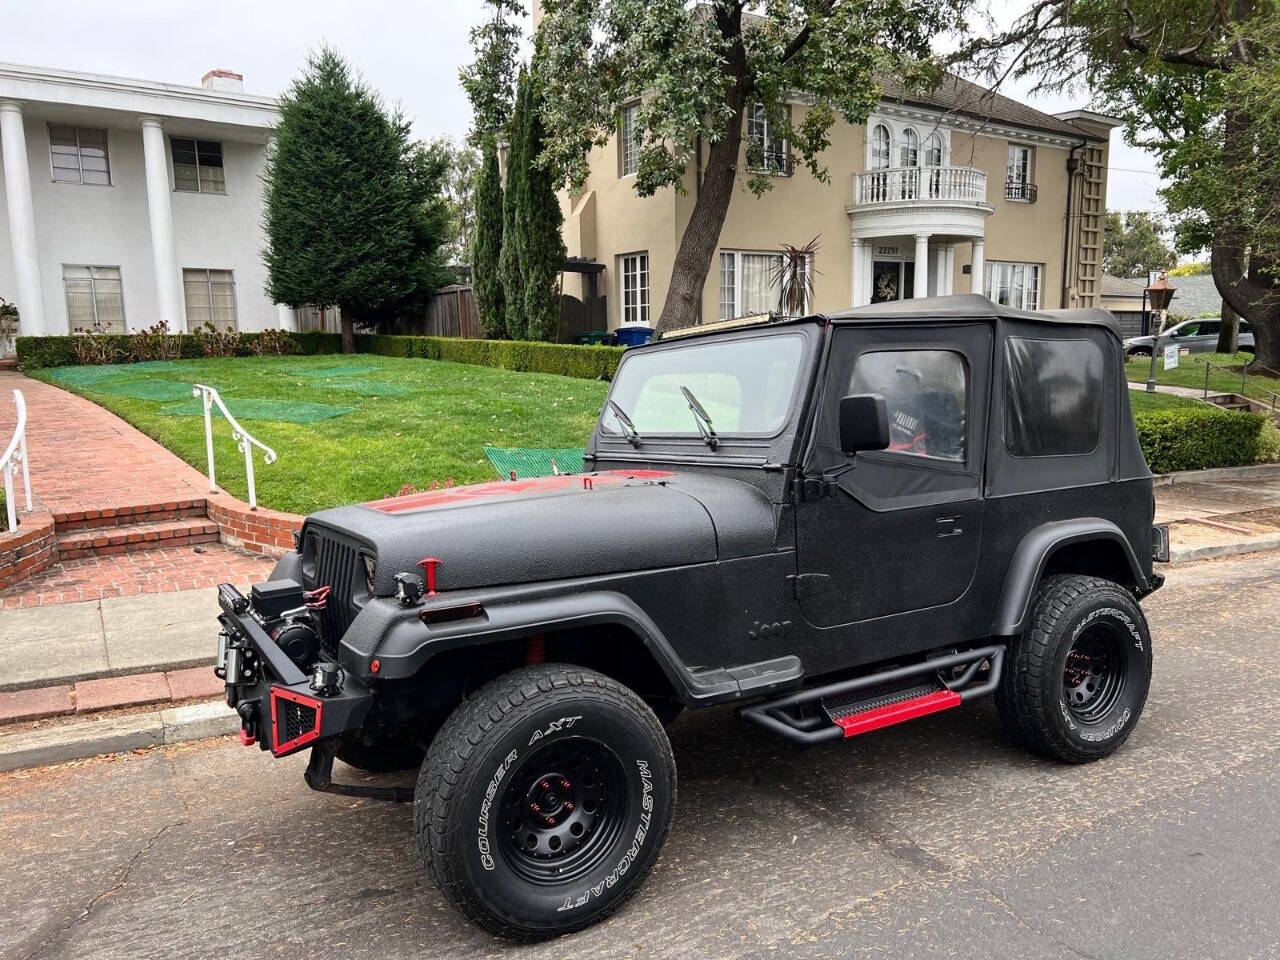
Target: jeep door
{"type": "Point", "coordinates": [900, 529]}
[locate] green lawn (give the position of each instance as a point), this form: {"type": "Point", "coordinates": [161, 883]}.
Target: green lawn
{"type": "Point", "coordinates": [1190, 372]}
{"type": "Point", "coordinates": [387, 422]}
{"type": "Point", "coordinates": [1143, 402]}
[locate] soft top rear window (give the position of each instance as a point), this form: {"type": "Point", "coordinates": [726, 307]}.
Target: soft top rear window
{"type": "Point", "coordinates": [1053, 397]}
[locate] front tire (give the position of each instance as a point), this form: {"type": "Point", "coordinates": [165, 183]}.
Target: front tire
{"type": "Point", "coordinates": [1077, 678]}
{"type": "Point", "coordinates": [544, 800]}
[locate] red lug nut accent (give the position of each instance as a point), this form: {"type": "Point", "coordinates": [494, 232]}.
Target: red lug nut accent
{"type": "Point", "coordinates": [568, 805]}
{"type": "Point", "coordinates": [535, 808]}
{"type": "Point", "coordinates": [544, 785]}
{"type": "Point", "coordinates": [565, 785]}
{"type": "Point", "coordinates": [551, 821]}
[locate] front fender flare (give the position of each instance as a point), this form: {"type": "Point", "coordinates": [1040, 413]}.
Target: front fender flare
{"type": "Point", "coordinates": [1033, 552]}
{"type": "Point", "coordinates": [408, 646]}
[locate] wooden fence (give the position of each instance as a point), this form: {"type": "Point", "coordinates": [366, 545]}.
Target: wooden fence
{"type": "Point", "coordinates": [451, 312]}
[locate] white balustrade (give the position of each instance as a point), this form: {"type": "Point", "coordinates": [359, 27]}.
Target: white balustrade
{"type": "Point", "coordinates": [904, 184]}
{"type": "Point", "coordinates": [245, 442]}
{"type": "Point", "coordinates": [15, 457]}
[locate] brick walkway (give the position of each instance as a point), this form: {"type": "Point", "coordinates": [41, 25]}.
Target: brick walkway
{"type": "Point", "coordinates": [161, 570]}
{"type": "Point", "coordinates": [109, 487]}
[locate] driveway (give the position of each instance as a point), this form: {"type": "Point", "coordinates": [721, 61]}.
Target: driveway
{"type": "Point", "coordinates": [928, 840]}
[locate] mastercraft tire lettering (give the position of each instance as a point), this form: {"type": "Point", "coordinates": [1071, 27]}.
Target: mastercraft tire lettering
{"type": "Point", "coordinates": [544, 800]}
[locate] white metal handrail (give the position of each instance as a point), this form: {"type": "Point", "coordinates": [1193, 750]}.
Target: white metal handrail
{"type": "Point", "coordinates": [244, 440]}
{"type": "Point", "coordinates": [15, 454]}
{"type": "Point", "coordinates": [896, 184]}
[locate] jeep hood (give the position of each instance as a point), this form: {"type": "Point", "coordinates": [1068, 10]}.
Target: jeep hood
{"type": "Point", "coordinates": [552, 528]}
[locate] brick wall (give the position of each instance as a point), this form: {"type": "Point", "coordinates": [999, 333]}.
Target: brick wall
{"type": "Point", "coordinates": [261, 530]}
{"type": "Point", "coordinates": [27, 550]}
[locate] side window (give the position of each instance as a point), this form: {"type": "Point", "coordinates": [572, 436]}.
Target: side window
{"type": "Point", "coordinates": [1210, 328]}
{"type": "Point", "coordinates": [1053, 397]}
{"type": "Point", "coordinates": [926, 392]}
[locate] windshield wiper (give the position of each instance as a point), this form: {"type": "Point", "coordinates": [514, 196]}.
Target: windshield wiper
{"type": "Point", "coordinates": [628, 428]}
{"type": "Point", "coordinates": [703, 418]}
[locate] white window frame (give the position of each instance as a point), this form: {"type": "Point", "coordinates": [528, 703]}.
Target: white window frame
{"type": "Point", "coordinates": [732, 261]}
{"type": "Point", "coordinates": [93, 292]}
{"type": "Point", "coordinates": [628, 144]}
{"type": "Point", "coordinates": [1020, 169]}
{"type": "Point", "coordinates": [774, 162]}
{"type": "Point", "coordinates": [208, 283]}
{"type": "Point", "coordinates": [897, 131]}
{"type": "Point", "coordinates": [1032, 294]}
{"type": "Point", "coordinates": [634, 277]}
{"type": "Point", "coordinates": [106, 151]}
{"type": "Point", "coordinates": [195, 149]}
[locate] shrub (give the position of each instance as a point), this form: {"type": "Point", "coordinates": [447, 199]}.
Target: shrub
{"type": "Point", "coordinates": [564, 359]}
{"type": "Point", "coordinates": [1200, 439]}
{"type": "Point", "coordinates": [37, 352]}
{"type": "Point", "coordinates": [218, 343]}
{"type": "Point", "coordinates": [156, 343]}
{"type": "Point", "coordinates": [273, 343]}
{"type": "Point", "coordinates": [92, 348]}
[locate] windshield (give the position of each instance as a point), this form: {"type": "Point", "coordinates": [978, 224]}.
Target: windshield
{"type": "Point", "coordinates": [745, 387]}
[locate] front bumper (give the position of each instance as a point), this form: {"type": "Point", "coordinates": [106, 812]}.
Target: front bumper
{"type": "Point", "coordinates": [280, 708]}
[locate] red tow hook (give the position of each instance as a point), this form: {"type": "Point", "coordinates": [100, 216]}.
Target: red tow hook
{"type": "Point", "coordinates": [246, 738]}
{"type": "Point", "coordinates": [317, 598]}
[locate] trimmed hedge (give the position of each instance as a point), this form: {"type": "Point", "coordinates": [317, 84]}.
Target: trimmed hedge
{"type": "Point", "coordinates": [1201, 439]}
{"type": "Point", "coordinates": [565, 359]}
{"type": "Point", "coordinates": [37, 352]}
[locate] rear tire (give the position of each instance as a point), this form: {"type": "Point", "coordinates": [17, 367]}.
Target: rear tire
{"type": "Point", "coordinates": [544, 800]}
{"type": "Point", "coordinates": [1077, 678]}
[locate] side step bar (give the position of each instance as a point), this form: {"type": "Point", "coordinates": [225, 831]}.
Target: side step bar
{"type": "Point", "coordinates": [850, 707]}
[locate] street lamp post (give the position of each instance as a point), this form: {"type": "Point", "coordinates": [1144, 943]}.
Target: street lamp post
{"type": "Point", "coordinates": [1159, 295]}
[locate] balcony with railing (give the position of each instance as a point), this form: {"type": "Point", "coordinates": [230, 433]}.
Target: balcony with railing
{"type": "Point", "coordinates": [894, 186]}
{"type": "Point", "coordinates": [1020, 190]}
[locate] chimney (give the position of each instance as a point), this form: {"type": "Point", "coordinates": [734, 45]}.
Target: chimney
{"type": "Point", "coordinates": [224, 80]}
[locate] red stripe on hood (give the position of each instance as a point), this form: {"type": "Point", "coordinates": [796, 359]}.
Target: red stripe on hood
{"type": "Point", "coordinates": [498, 489]}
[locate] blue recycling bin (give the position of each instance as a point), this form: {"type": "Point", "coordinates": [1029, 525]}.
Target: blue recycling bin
{"type": "Point", "coordinates": [632, 335]}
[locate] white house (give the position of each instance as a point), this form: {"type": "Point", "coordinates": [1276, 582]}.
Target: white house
{"type": "Point", "coordinates": [127, 202]}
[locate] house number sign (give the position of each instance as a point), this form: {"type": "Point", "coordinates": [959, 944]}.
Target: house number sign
{"type": "Point", "coordinates": [886, 251]}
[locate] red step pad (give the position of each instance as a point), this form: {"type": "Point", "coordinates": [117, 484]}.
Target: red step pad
{"type": "Point", "coordinates": [887, 716]}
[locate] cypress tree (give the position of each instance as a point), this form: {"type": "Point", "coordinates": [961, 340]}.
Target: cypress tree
{"type": "Point", "coordinates": [486, 245]}
{"type": "Point", "coordinates": [512, 224]}
{"type": "Point", "coordinates": [352, 213]}
{"type": "Point", "coordinates": [542, 250]}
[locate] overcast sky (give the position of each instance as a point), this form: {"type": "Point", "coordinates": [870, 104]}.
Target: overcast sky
{"type": "Point", "coordinates": [409, 51]}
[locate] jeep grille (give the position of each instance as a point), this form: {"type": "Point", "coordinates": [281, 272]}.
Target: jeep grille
{"type": "Point", "coordinates": [338, 565]}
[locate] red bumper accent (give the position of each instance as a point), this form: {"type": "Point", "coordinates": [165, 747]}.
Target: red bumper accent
{"type": "Point", "coordinates": [246, 739]}
{"type": "Point", "coordinates": [857, 723]}
{"type": "Point", "coordinates": [305, 735]}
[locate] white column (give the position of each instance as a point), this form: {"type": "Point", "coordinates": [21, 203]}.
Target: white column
{"type": "Point", "coordinates": [855, 277]}
{"type": "Point", "coordinates": [940, 271]}
{"type": "Point", "coordinates": [286, 318]}
{"type": "Point", "coordinates": [921, 286]}
{"type": "Point", "coordinates": [949, 270]}
{"type": "Point", "coordinates": [976, 268]}
{"type": "Point", "coordinates": [22, 220]}
{"type": "Point", "coordinates": [868, 273]}
{"type": "Point", "coordinates": [160, 208]}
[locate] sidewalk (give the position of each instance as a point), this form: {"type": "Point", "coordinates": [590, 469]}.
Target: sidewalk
{"type": "Point", "coordinates": [1217, 513]}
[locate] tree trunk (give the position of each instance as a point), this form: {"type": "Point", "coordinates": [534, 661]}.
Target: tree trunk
{"type": "Point", "coordinates": [1229, 334]}
{"type": "Point", "coordinates": [348, 330]}
{"type": "Point", "coordinates": [702, 233]}
{"type": "Point", "coordinates": [1250, 295]}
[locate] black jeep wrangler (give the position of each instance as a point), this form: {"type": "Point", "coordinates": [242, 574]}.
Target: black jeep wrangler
{"type": "Point", "coordinates": [837, 524]}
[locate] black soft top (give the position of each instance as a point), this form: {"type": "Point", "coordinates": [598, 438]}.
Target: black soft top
{"type": "Point", "coordinates": [971, 306]}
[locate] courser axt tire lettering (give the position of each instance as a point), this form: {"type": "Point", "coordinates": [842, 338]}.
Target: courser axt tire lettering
{"type": "Point", "coordinates": [1077, 679]}
{"type": "Point", "coordinates": [544, 800]}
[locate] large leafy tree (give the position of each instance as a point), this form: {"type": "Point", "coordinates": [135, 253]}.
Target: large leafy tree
{"type": "Point", "coordinates": [1199, 84]}
{"type": "Point", "coordinates": [510, 268]}
{"type": "Point", "coordinates": [353, 212]}
{"type": "Point", "coordinates": [1134, 244]}
{"type": "Point", "coordinates": [461, 164]}
{"type": "Point", "coordinates": [697, 69]}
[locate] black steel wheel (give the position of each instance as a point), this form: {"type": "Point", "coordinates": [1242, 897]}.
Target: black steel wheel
{"type": "Point", "coordinates": [1076, 681]}
{"type": "Point", "coordinates": [544, 800]}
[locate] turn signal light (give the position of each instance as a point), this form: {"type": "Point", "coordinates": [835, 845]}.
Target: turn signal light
{"type": "Point", "coordinates": [445, 614]}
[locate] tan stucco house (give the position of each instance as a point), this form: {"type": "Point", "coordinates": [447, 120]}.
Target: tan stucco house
{"type": "Point", "coordinates": [957, 190]}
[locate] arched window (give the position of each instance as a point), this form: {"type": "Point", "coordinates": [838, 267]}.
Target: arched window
{"type": "Point", "coordinates": [933, 158]}
{"type": "Point", "coordinates": [879, 147]}
{"type": "Point", "coordinates": [910, 148]}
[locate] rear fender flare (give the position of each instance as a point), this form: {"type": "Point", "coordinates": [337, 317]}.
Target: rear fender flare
{"type": "Point", "coordinates": [1032, 556]}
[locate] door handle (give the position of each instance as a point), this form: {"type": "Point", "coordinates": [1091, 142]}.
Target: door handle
{"type": "Point", "coordinates": [949, 527]}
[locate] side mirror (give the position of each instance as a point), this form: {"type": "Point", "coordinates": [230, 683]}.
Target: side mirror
{"type": "Point", "coordinates": [864, 423]}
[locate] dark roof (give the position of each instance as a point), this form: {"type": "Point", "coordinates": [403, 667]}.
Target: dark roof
{"type": "Point", "coordinates": [971, 306]}
{"type": "Point", "coordinates": [957, 95]}
{"type": "Point", "coordinates": [1121, 287]}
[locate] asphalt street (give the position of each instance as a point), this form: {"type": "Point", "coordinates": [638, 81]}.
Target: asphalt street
{"type": "Point", "coordinates": [934, 839]}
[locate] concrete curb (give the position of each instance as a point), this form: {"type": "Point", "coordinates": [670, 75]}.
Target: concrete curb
{"type": "Point", "coordinates": [1188, 554]}
{"type": "Point", "coordinates": [1257, 471]}
{"type": "Point", "coordinates": [161, 666]}
{"type": "Point", "coordinates": [91, 738]}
